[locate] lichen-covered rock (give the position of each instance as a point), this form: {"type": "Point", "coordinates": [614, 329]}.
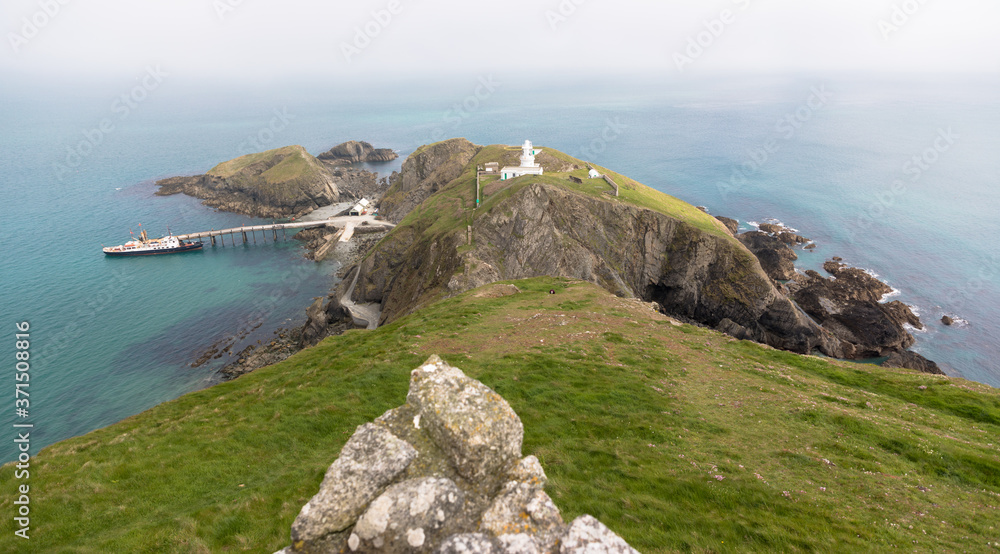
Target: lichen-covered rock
{"type": "Point", "coordinates": [469, 543]}
{"type": "Point", "coordinates": [369, 461]}
{"type": "Point", "coordinates": [520, 543]}
{"type": "Point", "coordinates": [586, 535]}
{"type": "Point", "coordinates": [529, 471]}
{"type": "Point", "coordinates": [473, 425]}
{"type": "Point", "coordinates": [441, 473]}
{"type": "Point", "coordinates": [522, 508]}
{"type": "Point", "coordinates": [410, 516]}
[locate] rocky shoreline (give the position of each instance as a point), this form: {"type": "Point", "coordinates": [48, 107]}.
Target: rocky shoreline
{"type": "Point", "coordinates": [850, 303]}
{"type": "Point", "coordinates": [290, 341]}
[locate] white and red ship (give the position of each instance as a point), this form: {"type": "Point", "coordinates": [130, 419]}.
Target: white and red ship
{"type": "Point", "coordinates": [144, 246]}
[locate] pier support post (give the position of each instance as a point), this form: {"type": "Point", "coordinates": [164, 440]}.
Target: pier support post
{"type": "Point", "coordinates": [213, 239]}
{"type": "Point", "coordinates": [244, 236]}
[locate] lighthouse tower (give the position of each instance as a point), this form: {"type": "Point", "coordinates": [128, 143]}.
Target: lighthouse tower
{"type": "Point", "coordinates": [528, 165]}
{"type": "Point", "coordinates": [528, 155]}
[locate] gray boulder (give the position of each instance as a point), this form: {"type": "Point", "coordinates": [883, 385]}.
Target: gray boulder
{"type": "Point", "coordinates": [441, 473]}
{"type": "Point", "coordinates": [371, 460]}
{"type": "Point", "coordinates": [473, 425]}
{"type": "Point", "coordinates": [589, 536]}
{"type": "Point", "coordinates": [409, 516]}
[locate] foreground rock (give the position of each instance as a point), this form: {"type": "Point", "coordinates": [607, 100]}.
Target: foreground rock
{"type": "Point", "coordinates": [356, 152]}
{"type": "Point", "coordinates": [442, 473]}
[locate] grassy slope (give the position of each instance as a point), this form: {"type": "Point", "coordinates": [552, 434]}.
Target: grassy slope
{"type": "Point", "coordinates": [631, 416]}
{"type": "Point", "coordinates": [297, 164]}
{"type": "Point", "coordinates": [452, 207]}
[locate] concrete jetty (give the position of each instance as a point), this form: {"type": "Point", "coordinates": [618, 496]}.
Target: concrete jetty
{"type": "Point", "coordinates": [339, 222]}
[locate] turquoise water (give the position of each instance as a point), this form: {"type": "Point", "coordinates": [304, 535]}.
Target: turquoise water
{"type": "Point", "coordinates": [113, 337]}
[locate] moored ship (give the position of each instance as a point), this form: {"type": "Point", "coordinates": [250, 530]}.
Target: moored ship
{"type": "Point", "coordinates": [144, 246]}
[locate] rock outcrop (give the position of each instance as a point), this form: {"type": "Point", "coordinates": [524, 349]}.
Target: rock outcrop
{"type": "Point", "coordinates": [425, 172]}
{"type": "Point", "coordinates": [357, 152]}
{"type": "Point", "coordinates": [442, 473]}
{"type": "Point", "coordinates": [776, 258]}
{"type": "Point", "coordinates": [278, 183]}
{"type": "Point", "coordinates": [731, 224]}
{"type": "Point", "coordinates": [912, 360]}
{"type": "Point", "coordinates": [850, 305]}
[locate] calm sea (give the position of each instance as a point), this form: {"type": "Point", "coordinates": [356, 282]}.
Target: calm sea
{"type": "Point", "coordinates": [901, 178]}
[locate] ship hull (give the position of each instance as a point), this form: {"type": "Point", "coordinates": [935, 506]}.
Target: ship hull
{"type": "Point", "coordinates": [155, 252]}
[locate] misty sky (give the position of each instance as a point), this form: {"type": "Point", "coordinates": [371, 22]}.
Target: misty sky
{"type": "Point", "coordinates": [248, 40]}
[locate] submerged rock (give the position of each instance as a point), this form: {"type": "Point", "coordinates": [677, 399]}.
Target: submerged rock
{"type": "Point", "coordinates": [442, 473]}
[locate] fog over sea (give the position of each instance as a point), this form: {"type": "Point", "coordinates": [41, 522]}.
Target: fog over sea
{"type": "Point", "coordinates": [898, 177]}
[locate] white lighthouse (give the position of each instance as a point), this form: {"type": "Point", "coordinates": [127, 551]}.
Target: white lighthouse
{"type": "Point", "coordinates": [528, 165]}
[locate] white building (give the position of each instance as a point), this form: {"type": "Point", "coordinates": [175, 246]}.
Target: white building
{"type": "Point", "coordinates": [594, 174]}
{"type": "Point", "coordinates": [361, 208]}
{"type": "Point", "coordinates": [528, 165]}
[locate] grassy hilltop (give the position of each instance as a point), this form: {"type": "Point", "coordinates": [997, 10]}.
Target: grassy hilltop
{"type": "Point", "coordinates": [677, 437]}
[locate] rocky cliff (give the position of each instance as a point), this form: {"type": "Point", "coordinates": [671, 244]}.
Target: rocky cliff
{"type": "Point", "coordinates": [356, 152]}
{"type": "Point", "coordinates": [442, 473]}
{"type": "Point", "coordinates": [425, 172]}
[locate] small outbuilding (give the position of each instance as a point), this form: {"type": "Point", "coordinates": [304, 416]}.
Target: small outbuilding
{"type": "Point", "coordinates": [594, 174]}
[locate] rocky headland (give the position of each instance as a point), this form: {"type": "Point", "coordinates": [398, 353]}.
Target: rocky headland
{"type": "Point", "coordinates": [695, 267]}
{"type": "Point", "coordinates": [697, 270]}
{"type": "Point", "coordinates": [442, 473]}
{"type": "Point", "coordinates": [284, 182]}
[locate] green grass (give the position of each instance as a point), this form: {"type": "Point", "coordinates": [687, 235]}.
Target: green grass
{"type": "Point", "coordinates": [631, 415]}
{"type": "Point", "coordinates": [296, 163]}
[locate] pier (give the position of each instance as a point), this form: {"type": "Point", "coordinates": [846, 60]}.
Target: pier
{"type": "Point", "coordinates": [341, 222]}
